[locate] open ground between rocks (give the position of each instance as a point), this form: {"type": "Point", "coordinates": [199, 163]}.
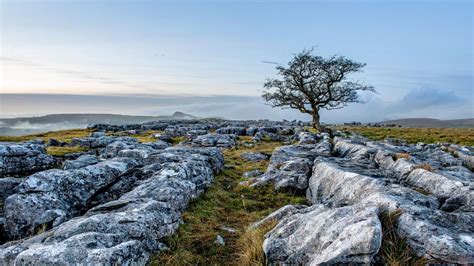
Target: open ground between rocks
{"type": "Point", "coordinates": [133, 195]}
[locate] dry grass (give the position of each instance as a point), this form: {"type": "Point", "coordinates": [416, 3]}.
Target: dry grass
{"type": "Point", "coordinates": [421, 190]}
{"type": "Point", "coordinates": [404, 155]}
{"type": "Point", "coordinates": [61, 135]}
{"type": "Point", "coordinates": [224, 204]}
{"type": "Point", "coordinates": [461, 136]}
{"type": "Point", "coordinates": [251, 245]}
{"type": "Point", "coordinates": [311, 129]}
{"type": "Point", "coordinates": [425, 166]}
{"type": "Point", "coordinates": [146, 136]}
{"type": "Point", "coordinates": [394, 250]}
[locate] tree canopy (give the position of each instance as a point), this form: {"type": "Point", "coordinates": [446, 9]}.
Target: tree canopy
{"type": "Point", "coordinates": [311, 83]}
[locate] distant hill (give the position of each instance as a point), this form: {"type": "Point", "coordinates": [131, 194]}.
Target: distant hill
{"type": "Point", "coordinates": [31, 125]}
{"type": "Point", "coordinates": [430, 122]}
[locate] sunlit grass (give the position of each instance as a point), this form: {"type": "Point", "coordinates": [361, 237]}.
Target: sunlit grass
{"type": "Point", "coordinates": [61, 135]}
{"type": "Point", "coordinates": [61, 151]}
{"type": "Point", "coordinates": [461, 136]}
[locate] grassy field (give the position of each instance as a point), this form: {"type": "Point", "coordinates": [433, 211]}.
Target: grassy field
{"type": "Point", "coordinates": [61, 135]}
{"type": "Point", "coordinates": [461, 136]}
{"type": "Point", "coordinates": [226, 204]}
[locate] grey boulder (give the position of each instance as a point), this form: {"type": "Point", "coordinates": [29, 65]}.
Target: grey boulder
{"type": "Point", "coordinates": [23, 158]}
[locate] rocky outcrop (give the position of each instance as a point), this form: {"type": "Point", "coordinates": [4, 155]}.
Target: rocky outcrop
{"type": "Point", "coordinates": [81, 161]}
{"type": "Point", "coordinates": [114, 148]}
{"type": "Point", "coordinates": [308, 138]}
{"type": "Point", "coordinates": [429, 231]}
{"type": "Point", "coordinates": [19, 159]}
{"type": "Point", "coordinates": [290, 166]}
{"type": "Point", "coordinates": [51, 197]}
{"type": "Point", "coordinates": [436, 218]}
{"type": "Point", "coordinates": [238, 131]}
{"type": "Point", "coordinates": [115, 204]}
{"type": "Point", "coordinates": [215, 140]}
{"type": "Point", "coordinates": [126, 230]}
{"type": "Point", "coordinates": [100, 142]}
{"type": "Point", "coordinates": [320, 235]}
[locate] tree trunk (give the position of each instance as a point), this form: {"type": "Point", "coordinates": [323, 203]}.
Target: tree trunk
{"type": "Point", "coordinates": [316, 123]}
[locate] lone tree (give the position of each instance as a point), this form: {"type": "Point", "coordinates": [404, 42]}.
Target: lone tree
{"type": "Point", "coordinates": [311, 83]}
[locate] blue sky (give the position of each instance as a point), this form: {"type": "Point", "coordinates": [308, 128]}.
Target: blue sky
{"type": "Point", "coordinates": [419, 54]}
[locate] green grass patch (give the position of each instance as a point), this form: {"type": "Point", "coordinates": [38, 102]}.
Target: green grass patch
{"type": "Point", "coordinates": [225, 204]}
{"type": "Point", "coordinates": [311, 129]}
{"type": "Point", "coordinates": [177, 140]}
{"type": "Point", "coordinates": [461, 136]}
{"type": "Point", "coordinates": [61, 151]}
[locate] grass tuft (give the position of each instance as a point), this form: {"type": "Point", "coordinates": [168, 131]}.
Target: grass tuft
{"type": "Point", "coordinates": [425, 166]}
{"type": "Point", "coordinates": [395, 250]}
{"type": "Point", "coordinates": [404, 155]}
{"type": "Point", "coordinates": [251, 245]}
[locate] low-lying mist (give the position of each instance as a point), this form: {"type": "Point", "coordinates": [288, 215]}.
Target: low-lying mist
{"type": "Point", "coordinates": [26, 128]}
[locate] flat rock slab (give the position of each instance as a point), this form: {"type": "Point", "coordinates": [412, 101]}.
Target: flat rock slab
{"type": "Point", "coordinates": [320, 235]}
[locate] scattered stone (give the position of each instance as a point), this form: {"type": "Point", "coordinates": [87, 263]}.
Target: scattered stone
{"type": "Point", "coordinates": [219, 240]}
{"type": "Point", "coordinates": [254, 156]}
{"type": "Point", "coordinates": [229, 229]}
{"type": "Point", "coordinates": [97, 134]}
{"type": "Point", "coordinates": [253, 173]}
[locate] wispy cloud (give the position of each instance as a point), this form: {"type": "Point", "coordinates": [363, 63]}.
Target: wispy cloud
{"type": "Point", "coordinates": [84, 75]}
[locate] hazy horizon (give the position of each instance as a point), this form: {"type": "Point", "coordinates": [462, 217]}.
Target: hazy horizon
{"type": "Point", "coordinates": [212, 58]}
{"type": "Point", "coordinates": [226, 106]}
